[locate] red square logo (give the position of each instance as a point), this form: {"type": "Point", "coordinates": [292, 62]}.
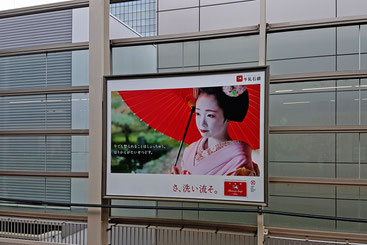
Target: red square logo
{"type": "Point", "coordinates": [239, 78]}
{"type": "Point", "coordinates": [235, 188]}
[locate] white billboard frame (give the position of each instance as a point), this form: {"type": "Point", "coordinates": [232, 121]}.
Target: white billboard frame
{"type": "Point", "coordinates": [154, 186]}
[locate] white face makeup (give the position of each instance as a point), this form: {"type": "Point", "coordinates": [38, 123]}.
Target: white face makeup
{"type": "Point", "coordinates": [210, 117]}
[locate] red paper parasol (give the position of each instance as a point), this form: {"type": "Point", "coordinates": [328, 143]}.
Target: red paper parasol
{"type": "Point", "coordinates": [168, 111]}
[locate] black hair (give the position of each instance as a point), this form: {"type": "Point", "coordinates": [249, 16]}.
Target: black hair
{"type": "Point", "coordinates": [234, 108]}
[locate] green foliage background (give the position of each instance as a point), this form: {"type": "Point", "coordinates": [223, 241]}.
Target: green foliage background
{"type": "Point", "coordinates": [128, 129]}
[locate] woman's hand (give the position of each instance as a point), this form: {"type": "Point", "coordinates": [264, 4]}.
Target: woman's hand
{"type": "Point", "coordinates": [175, 170]}
{"type": "Point", "coordinates": [244, 172]}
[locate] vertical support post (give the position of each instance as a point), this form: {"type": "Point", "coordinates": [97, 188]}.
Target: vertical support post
{"type": "Point", "coordinates": [262, 61]}
{"type": "Point", "coordinates": [262, 34]}
{"type": "Point", "coordinates": [99, 65]}
{"type": "Point", "coordinates": [260, 227]}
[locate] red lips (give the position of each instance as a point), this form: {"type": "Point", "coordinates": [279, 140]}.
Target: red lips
{"type": "Point", "coordinates": [203, 131]}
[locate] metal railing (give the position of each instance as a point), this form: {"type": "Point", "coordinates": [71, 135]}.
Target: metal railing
{"type": "Point", "coordinates": [140, 235]}
{"type": "Point", "coordinates": [42, 231]}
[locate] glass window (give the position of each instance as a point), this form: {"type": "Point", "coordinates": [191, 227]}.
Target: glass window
{"type": "Point", "coordinates": [229, 50]}
{"type": "Point", "coordinates": [302, 65]}
{"type": "Point", "coordinates": [363, 61]}
{"type": "Point", "coordinates": [79, 193]}
{"type": "Point", "coordinates": [302, 155]}
{"type": "Point", "coordinates": [316, 50]}
{"type": "Point", "coordinates": [134, 60]}
{"type": "Point", "coordinates": [337, 201]}
{"type": "Point", "coordinates": [363, 149]}
{"type": "Point", "coordinates": [348, 62]}
{"type": "Point", "coordinates": [302, 104]}
{"type": "Point", "coordinates": [299, 44]}
{"type": "Point", "coordinates": [80, 68]}
{"type": "Point", "coordinates": [347, 155]}
{"type": "Point", "coordinates": [352, 209]}
{"type": "Point", "coordinates": [326, 155]}
{"type": "Point", "coordinates": [51, 111]}
{"type": "Point", "coordinates": [228, 217]}
{"type": "Point", "coordinates": [150, 213]}
{"type": "Point", "coordinates": [134, 13]}
{"type": "Point", "coordinates": [347, 39]}
{"type": "Point", "coordinates": [317, 206]}
{"type": "Point", "coordinates": [35, 153]}
{"type": "Point", "coordinates": [324, 103]}
{"type": "Point", "coordinates": [58, 69]}
{"type": "Point", "coordinates": [79, 153]}
{"type": "Point", "coordinates": [364, 38]}
{"type": "Point", "coordinates": [170, 55]}
{"type": "Point", "coordinates": [22, 72]}
{"type": "Point", "coordinates": [347, 102]}
{"type": "Point", "coordinates": [80, 111]}
{"type": "Point", "coordinates": [186, 56]}
{"type": "Point", "coordinates": [40, 189]}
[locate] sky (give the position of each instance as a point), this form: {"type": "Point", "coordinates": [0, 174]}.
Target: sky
{"type": "Point", "coordinates": [11, 4]}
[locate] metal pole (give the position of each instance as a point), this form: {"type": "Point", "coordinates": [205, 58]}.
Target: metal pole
{"type": "Point", "coordinates": [262, 36]}
{"type": "Point", "coordinates": [262, 61]}
{"type": "Point", "coordinates": [260, 228]}
{"type": "Point", "coordinates": [99, 66]}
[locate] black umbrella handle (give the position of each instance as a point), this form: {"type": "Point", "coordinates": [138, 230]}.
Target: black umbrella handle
{"type": "Point", "coordinates": [184, 136]}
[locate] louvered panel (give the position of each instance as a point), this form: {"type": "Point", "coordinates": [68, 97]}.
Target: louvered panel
{"type": "Point", "coordinates": [36, 29]}
{"type": "Point", "coordinates": [35, 153]}
{"type": "Point", "coordinates": [36, 71]}
{"type": "Point", "coordinates": [58, 115]}
{"type": "Point", "coordinates": [21, 72]}
{"type": "Point", "coordinates": [35, 112]}
{"type": "Point", "coordinates": [59, 69]}
{"type": "Point", "coordinates": [46, 189]}
{"type": "Point", "coordinates": [22, 112]}
{"type": "Point", "coordinates": [22, 153]}
{"type": "Point", "coordinates": [23, 188]}
{"type": "Point", "coordinates": [58, 153]}
{"type": "Point", "coordinates": [58, 190]}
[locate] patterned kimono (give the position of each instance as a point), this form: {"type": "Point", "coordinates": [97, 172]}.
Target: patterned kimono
{"type": "Point", "coordinates": [226, 158]}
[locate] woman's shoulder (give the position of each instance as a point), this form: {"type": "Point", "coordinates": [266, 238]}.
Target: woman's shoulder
{"type": "Point", "coordinates": [195, 144]}
{"type": "Point", "coordinates": [239, 145]}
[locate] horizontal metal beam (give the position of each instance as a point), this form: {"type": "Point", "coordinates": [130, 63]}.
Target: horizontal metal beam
{"type": "Point", "coordinates": [320, 23]}
{"type": "Point", "coordinates": [20, 241]}
{"type": "Point", "coordinates": [70, 132]}
{"type": "Point", "coordinates": [195, 36]}
{"type": "Point", "coordinates": [44, 8]}
{"type": "Point", "coordinates": [316, 129]}
{"type": "Point", "coordinates": [42, 215]}
{"type": "Point", "coordinates": [44, 49]}
{"type": "Point", "coordinates": [62, 90]}
{"type": "Point", "coordinates": [318, 76]}
{"type": "Point", "coordinates": [275, 232]}
{"type": "Point", "coordinates": [45, 174]}
{"type": "Point", "coordinates": [318, 181]}
{"type": "Point", "coordinates": [184, 224]}
{"type": "Point", "coordinates": [121, 1]}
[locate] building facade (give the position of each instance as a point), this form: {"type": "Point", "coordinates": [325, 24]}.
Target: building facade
{"type": "Point", "coordinates": [139, 15]}
{"type": "Point", "coordinates": [317, 54]}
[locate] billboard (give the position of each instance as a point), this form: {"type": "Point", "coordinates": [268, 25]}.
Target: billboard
{"type": "Point", "coordinates": [188, 136]}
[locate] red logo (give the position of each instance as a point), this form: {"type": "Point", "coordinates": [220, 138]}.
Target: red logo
{"type": "Point", "coordinates": [235, 188]}
{"type": "Point", "coordinates": [239, 78]}
{"type": "Point", "coordinates": [253, 182]}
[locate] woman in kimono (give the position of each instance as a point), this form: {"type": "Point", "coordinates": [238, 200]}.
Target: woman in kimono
{"type": "Point", "coordinates": [215, 153]}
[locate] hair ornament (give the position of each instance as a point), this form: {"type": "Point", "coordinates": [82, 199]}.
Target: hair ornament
{"type": "Point", "coordinates": [196, 93]}
{"type": "Point", "coordinates": [234, 91]}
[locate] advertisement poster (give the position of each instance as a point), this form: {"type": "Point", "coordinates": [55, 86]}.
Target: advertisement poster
{"type": "Point", "coordinates": [191, 136]}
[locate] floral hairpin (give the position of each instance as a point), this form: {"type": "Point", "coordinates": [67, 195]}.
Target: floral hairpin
{"type": "Point", "coordinates": [234, 91]}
